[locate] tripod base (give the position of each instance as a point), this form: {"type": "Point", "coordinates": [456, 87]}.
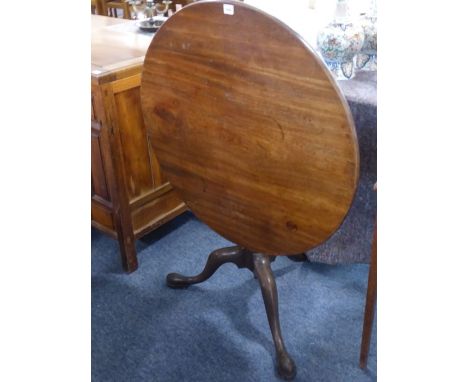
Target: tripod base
{"type": "Point", "coordinates": [260, 265]}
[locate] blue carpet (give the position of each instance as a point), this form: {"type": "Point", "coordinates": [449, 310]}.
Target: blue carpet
{"type": "Point", "coordinates": [218, 330]}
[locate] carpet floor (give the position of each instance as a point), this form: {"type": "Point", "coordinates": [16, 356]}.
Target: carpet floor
{"type": "Point", "coordinates": [218, 330]}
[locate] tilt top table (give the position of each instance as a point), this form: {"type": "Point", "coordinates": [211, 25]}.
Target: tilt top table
{"type": "Point", "coordinates": [254, 135]}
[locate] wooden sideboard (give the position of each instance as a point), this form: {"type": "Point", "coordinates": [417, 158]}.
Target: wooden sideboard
{"type": "Point", "coordinates": [129, 194]}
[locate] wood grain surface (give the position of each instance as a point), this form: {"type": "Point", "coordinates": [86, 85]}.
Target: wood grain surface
{"type": "Point", "coordinates": [129, 196]}
{"type": "Point", "coordinates": [113, 49]}
{"type": "Point", "coordinates": [249, 127]}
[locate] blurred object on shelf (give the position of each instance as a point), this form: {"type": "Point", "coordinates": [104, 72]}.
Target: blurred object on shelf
{"type": "Point", "coordinates": [340, 41]}
{"type": "Point", "coordinates": [367, 57]}
{"type": "Point", "coordinates": [140, 9]}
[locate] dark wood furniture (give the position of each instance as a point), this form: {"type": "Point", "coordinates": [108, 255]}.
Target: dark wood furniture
{"type": "Point", "coordinates": [371, 299]}
{"type": "Point", "coordinates": [253, 132]}
{"type": "Point", "coordinates": [130, 196]}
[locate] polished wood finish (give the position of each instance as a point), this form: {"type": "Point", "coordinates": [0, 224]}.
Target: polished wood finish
{"type": "Point", "coordinates": [250, 128]}
{"type": "Point", "coordinates": [130, 195]}
{"type": "Point", "coordinates": [115, 54]}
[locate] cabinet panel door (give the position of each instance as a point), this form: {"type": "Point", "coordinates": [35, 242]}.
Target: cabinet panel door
{"type": "Point", "coordinates": [98, 178]}
{"type": "Point", "coordinates": [137, 162]}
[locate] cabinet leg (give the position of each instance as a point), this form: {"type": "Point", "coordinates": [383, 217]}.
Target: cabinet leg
{"type": "Point", "coordinates": [128, 253]}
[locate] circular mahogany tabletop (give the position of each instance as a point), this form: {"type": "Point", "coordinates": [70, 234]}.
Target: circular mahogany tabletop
{"type": "Point", "coordinates": [249, 127]}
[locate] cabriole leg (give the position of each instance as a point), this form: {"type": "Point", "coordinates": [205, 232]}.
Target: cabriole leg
{"type": "Point", "coordinates": [236, 255]}
{"type": "Point", "coordinates": [286, 367]}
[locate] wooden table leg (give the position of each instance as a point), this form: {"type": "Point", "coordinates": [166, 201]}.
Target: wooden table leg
{"type": "Point", "coordinates": [285, 364]}
{"type": "Point", "coordinates": [370, 304]}
{"type": "Point", "coordinates": [260, 265]}
{"type": "Point", "coordinates": [221, 256]}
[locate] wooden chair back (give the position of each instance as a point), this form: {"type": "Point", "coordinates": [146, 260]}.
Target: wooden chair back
{"type": "Point", "coordinates": [111, 8]}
